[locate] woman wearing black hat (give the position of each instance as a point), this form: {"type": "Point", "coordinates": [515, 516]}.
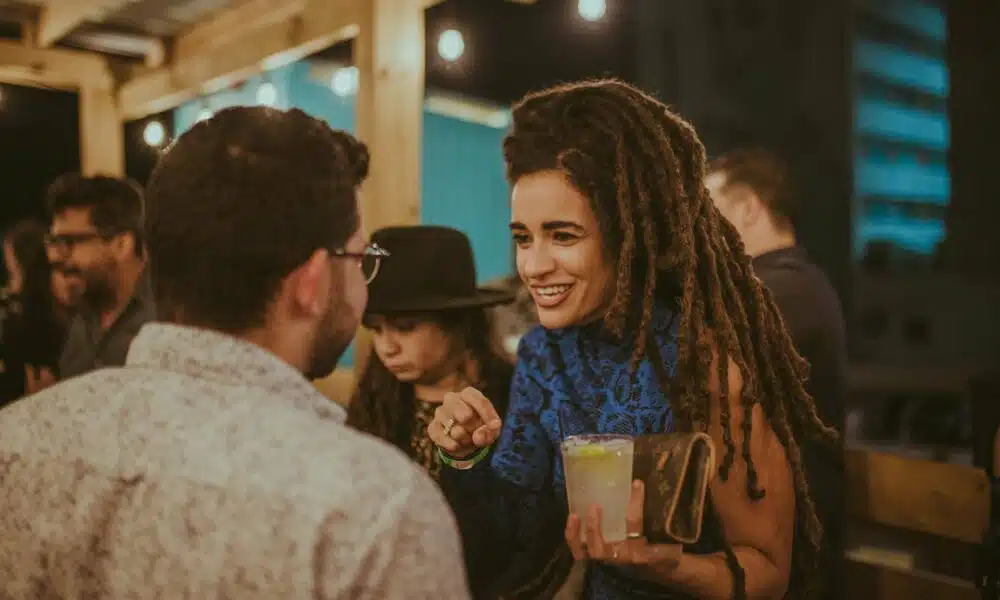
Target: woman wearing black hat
{"type": "Point", "coordinates": [431, 334]}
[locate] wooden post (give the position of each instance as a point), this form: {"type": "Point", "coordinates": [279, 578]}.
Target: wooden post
{"type": "Point", "coordinates": [102, 139]}
{"type": "Point", "coordinates": [389, 55]}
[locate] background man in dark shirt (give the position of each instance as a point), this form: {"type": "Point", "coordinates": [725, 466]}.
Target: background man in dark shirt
{"type": "Point", "coordinates": [96, 241]}
{"type": "Point", "coordinates": [752, 191]}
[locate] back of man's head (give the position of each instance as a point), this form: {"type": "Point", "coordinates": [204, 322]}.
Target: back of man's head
{"type": "Point", "coordinates": [763, 173]}
{"type": "Point", "coordinates": [115, 205]}
{"type": "Point", "coordinates": [238, 203]}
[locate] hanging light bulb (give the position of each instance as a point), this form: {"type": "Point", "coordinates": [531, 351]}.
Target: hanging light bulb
{"type": "Point", "coordinates": [267, 94]}
{"type": "Point", "coordinates": [592, 10]}
{"type": "Point", "coordinates": [451, 45]}
{"type": "Point", "coordinates": [344, 81]}
{"type": "Point", "coordinates": [154, 134]}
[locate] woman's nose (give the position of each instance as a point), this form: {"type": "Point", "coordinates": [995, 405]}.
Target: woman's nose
{"type": "Point", "coordinates": [534, 262]}
{"type": "Point", "coordinates": [389, 344]}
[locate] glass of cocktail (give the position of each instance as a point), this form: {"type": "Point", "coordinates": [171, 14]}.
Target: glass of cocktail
{"type": "Point", "coordinates": [599, 472]}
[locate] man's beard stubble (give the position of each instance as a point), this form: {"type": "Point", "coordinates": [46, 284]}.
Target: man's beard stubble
{"type": "Point", "coordinates": [333, 337]}
{"type": "Point", "coordinates": [94, 291]}
{"type": "Point", "coordinates": [98, 291]}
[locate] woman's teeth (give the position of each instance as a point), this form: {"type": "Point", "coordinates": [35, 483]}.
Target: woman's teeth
{"type": "Point", "coordinates": [552, 290]}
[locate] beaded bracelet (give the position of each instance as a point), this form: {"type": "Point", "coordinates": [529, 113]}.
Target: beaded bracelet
{"type": "Point", "coordinates": [463, 464]}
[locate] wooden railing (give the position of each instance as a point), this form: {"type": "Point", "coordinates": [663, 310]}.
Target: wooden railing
{"type": "Point", "coordinates": [932, 505]}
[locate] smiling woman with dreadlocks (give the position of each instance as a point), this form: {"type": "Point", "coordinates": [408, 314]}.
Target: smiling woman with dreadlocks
{"type": "Point", "coordinates": [651, 321]}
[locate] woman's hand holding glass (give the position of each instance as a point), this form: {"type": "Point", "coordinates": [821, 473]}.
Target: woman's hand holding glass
{"type": "Point", "coordinates": [464, 422]}
{"type": "Point", "coordinates": [583, 534]}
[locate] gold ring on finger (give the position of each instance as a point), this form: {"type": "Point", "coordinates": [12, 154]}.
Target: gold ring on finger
{"type": "Point", "coordinates": [614, 554]}
{"type": "Point", "coordinates": [448, 425]}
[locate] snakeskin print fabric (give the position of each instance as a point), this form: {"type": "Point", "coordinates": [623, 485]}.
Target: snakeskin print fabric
{"type": "Point", "coordinates": [424, 450]}
{"type": "Point", "coordinates": [569, 381]}
{"type": "Point", "coordinates": [207, 468]}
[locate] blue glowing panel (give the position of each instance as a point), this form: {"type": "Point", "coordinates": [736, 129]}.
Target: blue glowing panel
{"type": "Point", "coordinates": [902, 124]}
{"type": "Point", "coordinates": [903, 181]}
{"type": "Point", "coordinates": [904, 68]}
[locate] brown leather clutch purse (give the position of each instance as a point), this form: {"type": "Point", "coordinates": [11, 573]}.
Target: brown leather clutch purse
{"type": "Point", "coordinates": [676, 469]}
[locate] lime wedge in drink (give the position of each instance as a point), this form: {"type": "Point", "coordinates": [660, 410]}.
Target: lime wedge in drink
{"type": "Point", "coordinates": [590, 451]}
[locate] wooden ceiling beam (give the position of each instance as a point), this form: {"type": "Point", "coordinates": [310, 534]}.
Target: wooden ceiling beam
{"type": "Point", "coordinates": [52, 67]}
{"type": "Point", "coordinates": [60, 17]}
{"type": "Point", "coordinates": [239, 43]}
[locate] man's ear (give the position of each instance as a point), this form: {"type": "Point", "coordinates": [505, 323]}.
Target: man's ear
{"type": "Point", "coordinates": [123, 245]}
{"type": "Point", "coordinates": [309, 284]}
{"type": "Point", "coordinates": [750, 208]}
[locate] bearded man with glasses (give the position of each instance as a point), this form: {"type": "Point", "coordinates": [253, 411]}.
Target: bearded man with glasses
{"type": "Point", "coordinates": [96, 244]}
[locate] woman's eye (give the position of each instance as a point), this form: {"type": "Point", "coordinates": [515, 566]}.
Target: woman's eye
{"type": "Point", "coordinates": [520, 239]}
{"type": "Point", "coordinates": [404, 326]}
{"type": "Point", "coordinates": [563, 237]}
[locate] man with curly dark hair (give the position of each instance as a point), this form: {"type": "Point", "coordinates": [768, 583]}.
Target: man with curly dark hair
{"type": "Point", "coordinates": [209, 466]}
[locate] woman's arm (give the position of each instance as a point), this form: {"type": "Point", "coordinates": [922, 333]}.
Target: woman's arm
{"type": "Point", "coordinates": [508, 501]}
{"type": "Point", "coordinates": [760, 532]}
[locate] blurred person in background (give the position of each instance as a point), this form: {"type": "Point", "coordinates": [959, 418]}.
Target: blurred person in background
{"type": "Point", "coordinates": [96, 242]}
{"type": "Point", "coordinates": [753, 191]}
{"type": "Point", "coordinates": [513, 320]}
{"type": "Point", "coordinates": [431, 334]}
{"type": "Point", "coordinates": [34, 313]}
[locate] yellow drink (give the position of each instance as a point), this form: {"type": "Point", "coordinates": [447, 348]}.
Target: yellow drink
{"type": "Point", "coordinates": [599, 473]}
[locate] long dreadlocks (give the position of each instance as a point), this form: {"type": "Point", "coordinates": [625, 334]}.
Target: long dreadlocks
{"type": "Point", "coordinates": [642, 167]}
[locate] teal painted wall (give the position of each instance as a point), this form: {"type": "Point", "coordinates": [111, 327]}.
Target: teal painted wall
{"type": "Point", "coordinates": [463, 184]}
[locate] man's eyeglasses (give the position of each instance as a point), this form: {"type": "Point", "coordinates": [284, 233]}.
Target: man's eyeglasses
{"type": "Point", "coordinates": [64, 242]}
{"type": "Point", "coordinates": [369, 259]}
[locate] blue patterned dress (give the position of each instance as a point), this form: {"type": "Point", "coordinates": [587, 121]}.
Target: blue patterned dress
{"type": "Point", "coordinates": [568, 381]}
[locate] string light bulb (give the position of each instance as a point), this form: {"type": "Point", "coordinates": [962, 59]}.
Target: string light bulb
{"type": "Point", "coordinates": [267, 94]}
{"type": "Point", "coordinates": [451, 45]}
{"type": "Point", "coordinates": [154, 134]}
{"type": "Point", "coordinates": [344, 81]}
{"type": "Point", "coordinates": [591, 10]}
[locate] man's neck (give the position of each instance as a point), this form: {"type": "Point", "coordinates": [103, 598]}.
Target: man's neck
{"type": "Point", "coordinates": [770, 243]}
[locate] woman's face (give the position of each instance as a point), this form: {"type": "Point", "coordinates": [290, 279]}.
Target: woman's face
{"type": "Point", "coordinates": [560, 253]}
{"type": "Point", "coordinates": [414, 350]}
{"type": "Point", "coordinates": [15, 280]}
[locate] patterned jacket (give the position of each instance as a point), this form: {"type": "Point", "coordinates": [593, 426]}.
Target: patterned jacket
{"type": "Point", "coordinates": [208, 468]}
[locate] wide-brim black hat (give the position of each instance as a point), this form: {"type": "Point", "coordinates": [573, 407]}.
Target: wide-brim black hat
{"type": "Point", "coordinates": [429, 268]}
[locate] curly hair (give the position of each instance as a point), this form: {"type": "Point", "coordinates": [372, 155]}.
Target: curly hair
{"type": "Point", "coordinates": [642, 167]}
{"type": "Point", "coordinates": [239, 202]}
